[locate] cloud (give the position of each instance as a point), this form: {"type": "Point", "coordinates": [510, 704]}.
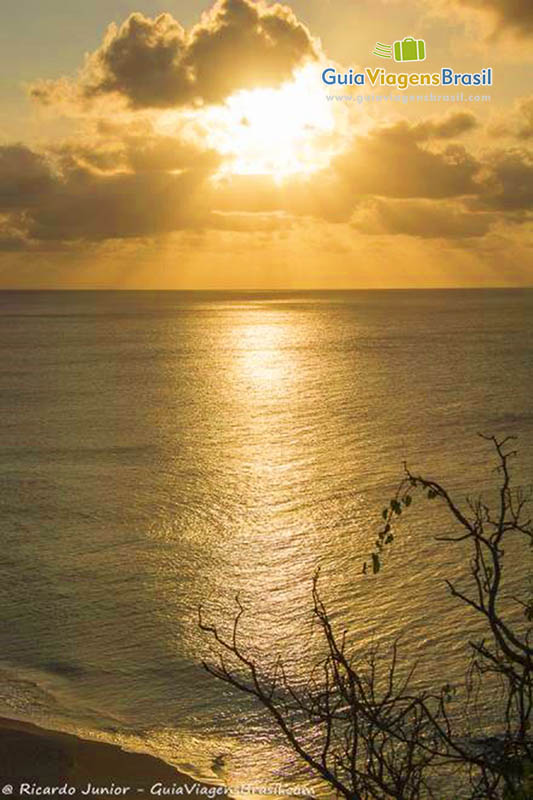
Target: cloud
{"type": "Point", "coordinates": [115, 181]}
{"type": "Point", "coordinates": [111, 147]}
{"type": "Point", "coordinates": [513, 15]}
{"type": "Point", "coordinates": [446, 127]}
{"type": "Point", "coordinates": [25, 177]}
{"type": "Point", "coordinates": [241, 44]}
{"type": "Point", "coordinates": [87, 206]}
{"type": "Point", "coordinates": [426, 219]}
{"type": "Point", "coordinates": [518, 123]}
{"type": "Point", "coordinates": [155, 63]}
{"type": "Point", "coordinates": [12, 238]}
{"type": "Point", "coordinates": [131, 187]}
{"type": "Point", "coordinates": [319, 196]}
{"type": "Point", "coordinates": [390, 162]}
{"type": "Point", "coordinates": [506, 183]}
{"type": "Point", "coordinates": [246, 222]}
{"type": "Point", "coordinates": [124, 181]}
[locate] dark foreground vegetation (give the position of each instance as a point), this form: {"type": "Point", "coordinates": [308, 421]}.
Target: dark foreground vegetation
{"type": "Point", "coordinates": [360, 723]}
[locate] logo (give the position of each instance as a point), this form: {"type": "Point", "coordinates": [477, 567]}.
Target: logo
{"type": "Point", "coordinates": [408, 49]}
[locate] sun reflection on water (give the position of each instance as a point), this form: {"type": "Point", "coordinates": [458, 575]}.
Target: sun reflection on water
{"type": "Point", "coordinates": [258, 450]}
{"type": "Point", "coordinates": [262, 356]}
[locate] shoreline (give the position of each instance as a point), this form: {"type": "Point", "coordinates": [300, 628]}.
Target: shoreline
{"type": "Point", "coordinates": [35, 759]}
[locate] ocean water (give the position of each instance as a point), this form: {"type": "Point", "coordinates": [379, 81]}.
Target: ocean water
{"type": "Point", "coordinates": [165, 450]}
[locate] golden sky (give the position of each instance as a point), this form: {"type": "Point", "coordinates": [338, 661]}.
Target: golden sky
{"type": "Point", "coordinates": [193, 146]}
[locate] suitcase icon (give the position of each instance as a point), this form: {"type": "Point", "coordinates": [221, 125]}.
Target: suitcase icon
{"type": "Point", "coordinates": [409, 49]}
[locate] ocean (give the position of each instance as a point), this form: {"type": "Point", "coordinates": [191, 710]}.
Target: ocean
{"type": "Point", "coordinates": [161, 451]}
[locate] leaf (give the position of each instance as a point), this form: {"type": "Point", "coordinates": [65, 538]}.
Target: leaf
{"type": "Point", "coordinates": [389, 539]}
{"type": "Point", "coordinates": [396, 506]}
{"type": "Point", "coordinates": [375, 563]}
{"type": "Point", "coordinates": [385, 513]}
{"type": "Point", "coordinates": [407, 500]}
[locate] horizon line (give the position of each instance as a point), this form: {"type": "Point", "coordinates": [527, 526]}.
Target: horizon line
{"type": "Point", "coordinates": [278, 290]}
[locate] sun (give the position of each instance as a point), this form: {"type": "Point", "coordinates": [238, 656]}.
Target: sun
{"type": "Point", "coordinates": [278, 132]}
{"type": "Point", "coordinates": [265, 131]}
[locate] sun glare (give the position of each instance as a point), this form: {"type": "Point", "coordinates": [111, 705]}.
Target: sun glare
{"type": "Point", "coordinates": [278, 132]}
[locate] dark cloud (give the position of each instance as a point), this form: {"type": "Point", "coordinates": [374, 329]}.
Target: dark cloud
{"type": "Point", "coordinates": [13, 236]}
{"type": "Point", "coordinates": [155, 63]}
{"type": "Point", "coordinates": [447, 127]}
{"type": "Point", "coordinates": [87, 206]}
{"type": "Point", "coordinates": [243, 45]}
{"type": "Point", "coordinates": [127, 181]}
{"type": "Point", "coordinates": [516, 15]}
{"type": "Point", "coordinates": [506, 183]}
{"type": "Point", "coordinates": [12, 241]}
{"type": "Point", "coordinates": [391, 163]}
{"type": "Point", "coordinates": [25, 177]}
{"type": "Point", "coordinates": [427, 219]}
{"type": "Point", "coordinates": [75, 192]}
{"type": "Point", "coordinates": [524, 128]}
{"type": "Point", "coordinates": [141, 60]}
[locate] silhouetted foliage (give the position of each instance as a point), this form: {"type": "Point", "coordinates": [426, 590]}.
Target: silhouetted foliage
{"type": "Point", "coordinates": [375, 736]}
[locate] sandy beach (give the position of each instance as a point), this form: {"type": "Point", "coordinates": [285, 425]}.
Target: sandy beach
{"type": "Point", "coordinates": [35, 761]}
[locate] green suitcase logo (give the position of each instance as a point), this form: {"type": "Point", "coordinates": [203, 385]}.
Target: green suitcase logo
{"type": "Point", "coordinates": [408, 49]}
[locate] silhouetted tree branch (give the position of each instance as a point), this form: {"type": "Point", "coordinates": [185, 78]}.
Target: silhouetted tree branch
{"type": "Point", "coordinates": [363, 729]}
